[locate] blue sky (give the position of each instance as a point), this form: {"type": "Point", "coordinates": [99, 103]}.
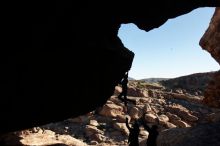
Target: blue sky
{"type": "Point", "coordinates": [171, 50]}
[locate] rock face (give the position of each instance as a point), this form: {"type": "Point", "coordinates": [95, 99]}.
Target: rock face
{"type": "Point", "coordinates": [194, 84]}
{"type": "Point", "coordinates": [53, 51]}
{"type": "Point", "coordinates": [211, 39]}
{"type": "Point", "coordinates": [111, 110]}
{"type": "Point", "coordinates": [211, 42]}
{"type": "Point", "coordinates": [202, 135]}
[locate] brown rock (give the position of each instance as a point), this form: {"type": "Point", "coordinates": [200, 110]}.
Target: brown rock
{"type": "Point", "coordinates": [94, 142]}
{"type": "Point", "coordinates": [111, 110]}
{"type": "Point", "coordinates": [145, 100]}
{"type": "Point", "coordinates": [169, 125]}
{"type": "Point", "coordinates": [200, 135]}
{"type": "Point", "coordinates": [152, 93]}
{"type": "Point", "coordinates": [214, 117]}
{"type": "Point", "coordinates": [49, 137]}
{"type": "Point", "coordinates": [144, 133]}
{"type": "Point", "coordinates": [145, 93]}
{"type": "Point", "coordinates": [115, 100]}
{"type": "Point", "coordinates": [178, 91]}
{"type": "Point", "coordinates": [122, 118]}
{"type": "Point", "coordinates": [98, 137]}
{"type": "Point", "coordinates": [182, 112]}
{"type": "Point", "coordinates": [147, 108]}
{"type": "Point", "coordinates": [143, 142]}
{"type": "Point", "coordinates": [150, 118]}
{"type": "Point", "coordinates": [132, 91]}
{"type": "Point", "coordinates": [93, 123]}
{"type": "Point", "coordinates": [118, 90]}
{"type": "Point", "coordinates": [135, 113]}
{"type": "Point", "coordinates": [91, 130]}
{"type": "Point", "coordinates": [163, 118]}
{"type": "Point", "coordinates": [121, 127]}
{"type": "Point", "coordinates": [211, 42]}
{"type": "Point", "coordinates": [180, 123]}
{"type": "Point", "coordinates": [172, 116]}
{"type": "Point", "coordinates": [189, 98]}
{"type": "Point", "coordinates": [161, 101]}
{"type": "Point", "coordinates": [212, 92]}
{"type": "Point", "coordinates": [211, 39]}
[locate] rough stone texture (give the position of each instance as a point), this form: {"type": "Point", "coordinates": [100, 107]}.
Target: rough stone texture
{"type": "Point", "coordinates": [182, 112]}
{"type": "Point", "coordinates": [135, 113]}
{"type": "Point", "coordinates": [210, 42]}
{"type": "Point", "coordinates": [53, 52]}
{"type": "Point", "coordinates": [172, 116]}
{"type": "Point", "coordinates": [122, 118]}
{"type": "Point", "coordinates": [98, 137]}
{"type": "Point", "coordinates": [118, 90]}
{"type": "Point", "coordinates": [180, 123]}
{"type": "Point", "coordinates": [194, 99]}
{"type": "Point", "coordinates": [147, 108]}
{"type": "Point", "coordinates": [93, 123]}
{"type": "Point", "coordinates": [214, 117]}
{"type": "Point", "coordinates": [91, 130]}
{"type": "Point", "coordinates": [211, 39]}
{"type": "Point", "coordinates": [212, 92]}
{"type": "Point", "coordinates": [163, 118]}
{"type": "Point", "coordinates": [49, 138]}
{"type": "Point", "coordinates": [193, 84]}
{"type": "Point", "coordinates": [150, 118]}
{"type": "Point", "coordinates": [121, 127]}
{"type": "Point", "coordinates": [201, 135]}
{"type": "Point", "coordinates": [111, 110]}
{"type": "Point", "coordinates": [135, 92]}
{"type": "Point", "coordinates": [169, 125]}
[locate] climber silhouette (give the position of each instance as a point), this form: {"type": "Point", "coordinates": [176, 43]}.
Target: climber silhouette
{"type": "Point", "coordinates": [153, 133]}
{"type": "Point", "coordinates": [124, 83]}
{"type": "Point", "coordinates": [133, 133]}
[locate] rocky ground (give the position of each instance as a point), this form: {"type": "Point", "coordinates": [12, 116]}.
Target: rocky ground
{"type": "Point", "coordinates": [175, 109]}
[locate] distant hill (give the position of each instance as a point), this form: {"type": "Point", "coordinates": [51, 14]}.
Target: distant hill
{"type": "Point", "coordinates": [130, 78]}
{"type": "Point", "coordinates": [191, 83]}
{"type": "Point", "coordinates": [154, 80]}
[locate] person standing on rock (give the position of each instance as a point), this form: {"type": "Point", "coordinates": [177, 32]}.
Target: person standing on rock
{"type": "Point", "coordinates": [133, 133]}
{"type": "Point", "coordinates": [124, 83]}
{"type": "Point", "coordinates": [153, 133]}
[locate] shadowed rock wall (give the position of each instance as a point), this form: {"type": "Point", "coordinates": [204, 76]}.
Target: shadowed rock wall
{"type": "Point", "coordinates": [211, 42]}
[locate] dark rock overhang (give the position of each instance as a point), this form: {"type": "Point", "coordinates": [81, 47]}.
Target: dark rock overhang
{"type": "Point", "coordinates": [62, 59]}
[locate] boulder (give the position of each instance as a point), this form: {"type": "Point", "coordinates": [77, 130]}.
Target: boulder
{"type": "Point", "coordinates": [111, 110]}
{"type": "Point", "coordinates": [93, 123]}
{"type": "Point", "coordinates": [163, 118]}
{"type": "Point", "coordinates": [183, 113]}
{"type": "Point", "coordinates": [135, 113]}
{"type": "Point", "coordinates": [121, 127]}
{"type": "Point", "coordinates": [91, 130]}
{"type": "Point", "coordinates": [150, 118]}
{"type": "Point", "coordinates": [201, 135]}
{"type": "Point", "coordinates": [132, 91]}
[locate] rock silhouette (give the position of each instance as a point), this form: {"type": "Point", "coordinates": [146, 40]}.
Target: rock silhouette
{"type": "Point", "coordinates": [153, 134]}
{"type": "Point", "coordinates": [123, 95]}
{"type": "Point", "coordinates": [133, 133]}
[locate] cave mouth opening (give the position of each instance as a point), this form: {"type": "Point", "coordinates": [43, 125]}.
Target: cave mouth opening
{"type": "Point", "coordinates": [172, 50]}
